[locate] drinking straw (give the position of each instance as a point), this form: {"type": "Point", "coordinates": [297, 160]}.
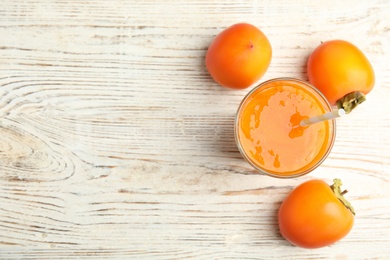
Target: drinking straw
{"type": "Point", "coordinates": [323, 117]}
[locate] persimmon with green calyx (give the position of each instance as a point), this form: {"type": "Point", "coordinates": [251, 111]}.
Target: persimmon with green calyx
{"type": "Point", "coordinates": [315, 214]}
{"type": "Point", "coordinates": [341, 72]}
{"type": "Point", "coordinates": [238, 56]}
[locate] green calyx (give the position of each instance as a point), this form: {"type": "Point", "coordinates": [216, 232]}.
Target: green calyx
{"type": "Point", "coordinates": [351, 101]}
{"type": "Point", "coordinates": [336, 188]}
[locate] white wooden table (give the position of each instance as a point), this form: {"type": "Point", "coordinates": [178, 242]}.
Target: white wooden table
{"type": "Point", "coordinates": [115, 142]}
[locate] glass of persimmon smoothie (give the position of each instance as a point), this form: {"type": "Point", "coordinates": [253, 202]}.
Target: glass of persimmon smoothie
{"type": "Point", "coordinates": [268, 131]}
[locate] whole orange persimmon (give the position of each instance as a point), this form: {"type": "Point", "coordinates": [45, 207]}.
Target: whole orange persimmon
{"type": "Point", "coordinates": [315, 214]}
{"type": "Point", "coordinates": [238, 56]}
{"type": "Point", "coordinates": [341, 72]}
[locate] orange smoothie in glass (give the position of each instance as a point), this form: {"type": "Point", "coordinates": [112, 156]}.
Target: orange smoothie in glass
{"type": "Point", "coordinates": [268, 133]}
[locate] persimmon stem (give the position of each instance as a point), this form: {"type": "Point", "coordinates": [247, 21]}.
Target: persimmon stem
{"type": "Point", "coordinates": [336, 188]}
{"type": "Point", "coordinates": [351, 101]}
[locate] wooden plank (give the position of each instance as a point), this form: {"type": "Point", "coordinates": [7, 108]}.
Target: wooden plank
{"type": "Point", "coordinates": [116, 143]}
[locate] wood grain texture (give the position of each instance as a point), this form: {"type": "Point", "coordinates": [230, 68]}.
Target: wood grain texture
{"type": "Point", "coordinates": [116, 143]}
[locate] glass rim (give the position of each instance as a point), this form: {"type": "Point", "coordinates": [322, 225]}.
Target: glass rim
{"type": "Point", "coordinates": [332, 129]}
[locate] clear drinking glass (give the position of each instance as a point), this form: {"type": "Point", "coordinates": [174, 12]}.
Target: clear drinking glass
{"type": "Point", "coordinates": [268, 133]}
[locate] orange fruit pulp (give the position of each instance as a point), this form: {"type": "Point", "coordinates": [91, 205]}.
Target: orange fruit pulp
{"type": "Point", "coordinates": [268, 133]}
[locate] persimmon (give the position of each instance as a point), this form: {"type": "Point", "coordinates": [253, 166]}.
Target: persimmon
{"type": "Point", "coordinates": [341, 72]}
{"type": "Point", "coordinates": [315, 214]}
{"type": "Point", "coordinates": [238, 56]}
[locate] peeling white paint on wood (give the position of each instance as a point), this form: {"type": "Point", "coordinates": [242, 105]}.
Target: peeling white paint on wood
{"type": "Point", "coordinates": [115, 142]}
